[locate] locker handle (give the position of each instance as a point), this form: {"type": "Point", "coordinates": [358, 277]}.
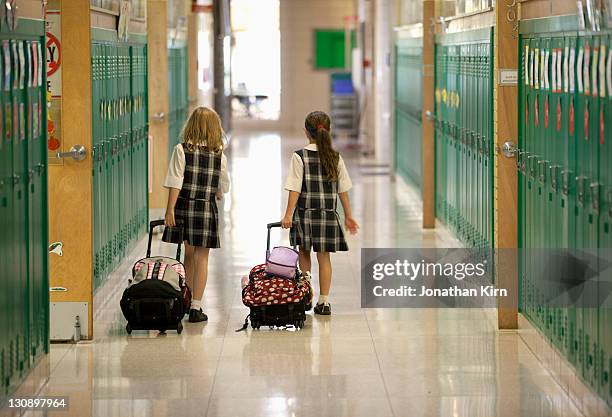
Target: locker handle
{"type": "Point", "coordinates": [609, 201]}
{"type": "Point", "coordinates": [553, 176]}
{"type": "Point", "coordinates": [542, 170]}
{"type": "Point", "coordinates": [565, 180]}
{"type": "Point", "coordinates": [15, 178]}
{"type": "Point", "coordinates": [39, 168]}
{"type": "Point", "coordinates": [580, 187]}
{"type": "Point", "coordinates": [595, 195]}
{"type": "Point", "coordinates": [520, 160]}
{"type": "Point", "coordinates": [532, 171]}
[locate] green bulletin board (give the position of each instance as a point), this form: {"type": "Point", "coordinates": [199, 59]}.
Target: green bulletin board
{"type": "Point", "coordinates": [329, 48]}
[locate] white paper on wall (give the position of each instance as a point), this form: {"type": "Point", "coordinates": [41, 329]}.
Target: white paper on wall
{"type": "Point", "coordinates": [602, 71]}
{"type": "Point", "coordinates": [554, 70]}
{"type": "Point", "coordinates": [526, 67]}
{"type": "Point", "coordinates": [566, 70]}
{"type": "Point", "coordinates": [579, 70]}
{"type": "Point", "coordinates": [559, 71]}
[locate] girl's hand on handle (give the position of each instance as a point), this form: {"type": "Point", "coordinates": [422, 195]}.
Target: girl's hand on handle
{"type": "Point", "coordinates": [351, 225]}
{"type": "Point", "coordinates": [287, 222]}
{"type": "Point", "coordinates": [169, 219]}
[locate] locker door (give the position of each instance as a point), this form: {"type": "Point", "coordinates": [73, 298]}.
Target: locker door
{"type": "Point", "coordinates": [105, 156]}
{"type": "Point", "coordinates": [472, 106]}
{"type": "Point", "coordinates": [6, 168]}
{"type": "Point", "coordinates": [109, 159]}
{"type": "Point", "coordinates": [127, 179]}
{"type": "Point", "coordinates": [35, 205]}
{"type": "Point", "coordinates": [560, 175]}
{"type": "Point", "coordinates": [605, 232]}
{"type": "Point", "coordinates": [40, 136]}
{"type": "Point", "coordinates": [530, 158]}
{"type": "Point", "coordinates": [11, 207]}
{"type": "Point", "coordinates": [20, 213]}
{"type": "Point", "coordinates": [489, 143]}
{"type": "Point", "coordinates": [590, 200]}
{"type": "Point", "coordinates": [95, 121]}
{"type": "Point", "coordinates": [524, 52]}
{"type": "Point", "coordinates": [120, 151]}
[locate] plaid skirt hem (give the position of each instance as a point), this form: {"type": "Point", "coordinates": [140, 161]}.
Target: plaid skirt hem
{"type": "Point", "coordinates": [200, 224]}
{"type": "Point", "coordinates": [318, 230]}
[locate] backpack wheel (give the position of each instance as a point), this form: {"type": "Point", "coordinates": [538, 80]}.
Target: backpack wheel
{"type": "Point", "coordinates": [128, 328]}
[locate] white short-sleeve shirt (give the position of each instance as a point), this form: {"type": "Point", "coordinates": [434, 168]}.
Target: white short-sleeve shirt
{"type": "Point", "coordinates": [176, 171]}
{"type": "Point", "coordinates": [296, 173]}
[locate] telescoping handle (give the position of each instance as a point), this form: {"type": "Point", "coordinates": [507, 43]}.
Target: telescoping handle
{"type": "Point", "coordinates": [158, 223]}
{"type": "Point", "coordinates": [270, 227]}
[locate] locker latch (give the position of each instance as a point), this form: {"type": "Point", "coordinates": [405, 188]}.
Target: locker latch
{"type": "Point", "coordinates": [553, 176]}
{"type": "Point", "coordinates": [542, 170]}
{"type": "Point", "coordinates": [565, 178]}
{"type": "Point", "coordinates": [532, 171]}
{"type": "Point", "coordinates": [520, 160]}
{"type": "Point", "coordinates": [580, 187]}
{"type": "Point", "coordinates": [595, 196]}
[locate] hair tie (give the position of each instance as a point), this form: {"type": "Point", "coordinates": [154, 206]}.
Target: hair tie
{"type": "Point", "coordinates": [321, 127]}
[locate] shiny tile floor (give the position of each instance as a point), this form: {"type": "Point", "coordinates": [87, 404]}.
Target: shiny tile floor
{"type": "Point", "coordinates": [355, 363]}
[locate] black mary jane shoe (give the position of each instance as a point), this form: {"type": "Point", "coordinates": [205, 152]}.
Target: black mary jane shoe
{"type": "Point", "coordinates": [196, 316]}
{"type": "Point", "coordinates": [323, 309]}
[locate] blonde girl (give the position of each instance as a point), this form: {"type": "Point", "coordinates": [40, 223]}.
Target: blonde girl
{"type": "Point", "coordinates": [197, 177]}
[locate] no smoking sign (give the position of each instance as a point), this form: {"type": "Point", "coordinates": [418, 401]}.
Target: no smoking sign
{"type": "Point", "coordinates": [54, 56]}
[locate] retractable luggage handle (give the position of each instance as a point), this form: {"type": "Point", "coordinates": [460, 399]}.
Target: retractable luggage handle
{"type": "Point", "coordinates": [157, 223]}
{"type": "Point", "coordinates": [270, 227]}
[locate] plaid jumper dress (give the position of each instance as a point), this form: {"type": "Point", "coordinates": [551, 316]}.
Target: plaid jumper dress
{"type": "Point", "coordinates": [196, 205]}
{"type": "Point", "coordinates": [316, 222]}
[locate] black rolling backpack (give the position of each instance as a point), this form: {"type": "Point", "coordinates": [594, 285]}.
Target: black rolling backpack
{"type": "Point", "coordinates": [157, 295]}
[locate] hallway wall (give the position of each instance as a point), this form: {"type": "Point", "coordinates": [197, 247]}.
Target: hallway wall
{"type": "Point", "coordinates": [303, 88]}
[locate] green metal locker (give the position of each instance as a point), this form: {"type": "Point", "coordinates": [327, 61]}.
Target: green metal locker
{"type": "Point", "coordinates": [408, 108]}
{"type": "Point", "coordinates": [564, 186]}
{"type": "Point", "coordinates": [604, 352]}
{"type": "Point", "coordinates": [464, 135]}
{"type": "Point", "coordinates": [23, 199]}
{"type": "Point", "coordinates": [120, 133]}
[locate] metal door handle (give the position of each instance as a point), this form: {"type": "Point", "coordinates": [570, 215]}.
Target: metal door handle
{"type": "Point", "coordinates": [77, 152]}
{"type": "Point", "coordinates": [159, 117]}
{"type": "Point", "coordinates": [509, 149]}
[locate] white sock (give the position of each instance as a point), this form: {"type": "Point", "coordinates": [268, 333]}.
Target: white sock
{"type": "Point", "coordinates": [196, 304]}
{"type": "Point", "coordinates": [323, 299]}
